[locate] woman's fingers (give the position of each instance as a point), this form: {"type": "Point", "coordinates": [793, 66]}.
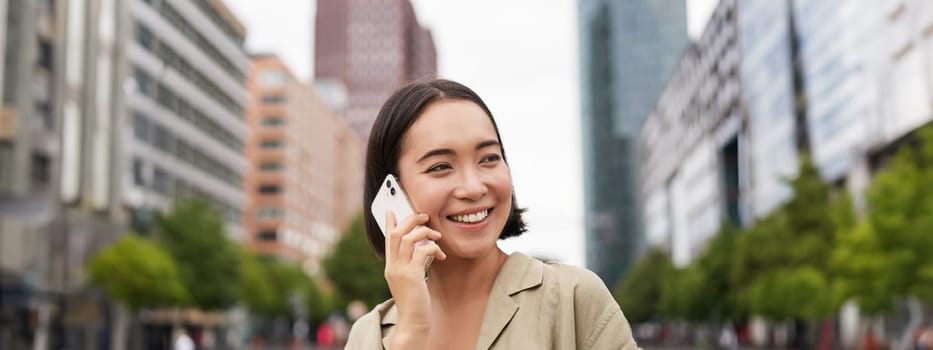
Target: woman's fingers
{"type": "Point", "coordinates": [423, 251]}
{"type": "Point", "coordinates": [391, 245]}
{"type": "Point", "coordinates": [397, 230]}
{"type": "Point", "coordinates": [407, 244]}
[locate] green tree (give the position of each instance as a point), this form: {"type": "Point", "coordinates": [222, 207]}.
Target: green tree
{"type": "Point", "coordinates": [865, 271]}
{"type": "Point", "coordinates": [888, 256]}
{"type": "Point", "coordinates": [357, 274]}
{"type": "Point", "coordinates": [715, 292]}
{"type": "Point", "coordinates": [795, 293]}
{"type": "Point", "coordinates": [809, 218]}
{"type": "Point", "coordinates": [900, 201]}
{"type": "Point", "coordinates": [268, 285]}
{"type": "Point", "coordinates": [783, 259]}
{"type": "Point", "coordinates": [194, 235]}
{"type": "Point", "coordinates": [256, 291]}
{"type": "Point", "coordinates": [639, 294]}
{"type": "Point", "coordinates": [319, 303]}
{"type": "Point", "coordinates": [682, 290]}
{"type": "Point", "coordinates": [137, 273]}
{"type": "Point", "coordinates": [758, 250]}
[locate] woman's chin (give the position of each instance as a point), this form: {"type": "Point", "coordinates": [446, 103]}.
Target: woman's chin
{"type": "Point", "coordinates": [470, 250]}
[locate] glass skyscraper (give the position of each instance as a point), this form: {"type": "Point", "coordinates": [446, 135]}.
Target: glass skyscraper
{"type": "Point", "coordinates": [627, 52]}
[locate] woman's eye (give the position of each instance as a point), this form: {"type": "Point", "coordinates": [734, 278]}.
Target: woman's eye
{"type": "Point", "coordinates": [439, 167]}
{"type": "Point", "coordinates": [491, 158]}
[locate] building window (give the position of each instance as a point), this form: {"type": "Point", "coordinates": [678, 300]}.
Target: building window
{"type": "Point", "coordinates": [265, 213]}
{"type": "Point", "coordinates": [40, 169]}
{"type": "Point", "coordinates": [45, 54]}
{"type": "Point", "coordinates": [267, 235]}
{"type": "Point", "coordinates": [272, 78]}
{"type": "Point", "coordinates": [162, 139]}
{"type": "Point", "coordinates": [273, 121]}
{"type": "Point", "coordinates": [270, 189]}
{"type": "Point", "coordinates": [138, 178]}
{"type": "Point", "coordinates": [271, 166]}
{"type": "Point", "coordinates": [183, 109]}
{"type": "Point", "coordinates": [271, 144]}
{"type": "Point", "coordinates": [273, 99]}
{"type": "Point", "coordinates": [161, 181]}
{"type": "Point", "coordinates": [171, 59]}
{"type": "Point", "coordinates": [140, 127]}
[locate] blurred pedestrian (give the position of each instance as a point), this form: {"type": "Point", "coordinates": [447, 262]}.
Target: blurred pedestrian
{"type": "Point", "coordinates": [325, 335]}
{"type": "Point", "coordinates": [439, 141]}
{"type": "Point", "coordinates": [182, 340]}
{"type": "Point", "coordinates": [925, 339]}
{"type": "Point", "coordinates": [727, 338]}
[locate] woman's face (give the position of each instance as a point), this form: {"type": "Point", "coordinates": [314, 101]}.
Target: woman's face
{"type": "Point", "coordinates": [451, 166]}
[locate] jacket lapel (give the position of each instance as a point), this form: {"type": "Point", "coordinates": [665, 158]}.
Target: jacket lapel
{"type": "Point", "coordinates": [499, 311]}
{"type": "Point", "coordinates": [388, 324]}
{"type": "Point", "coordinates": [519, 273]}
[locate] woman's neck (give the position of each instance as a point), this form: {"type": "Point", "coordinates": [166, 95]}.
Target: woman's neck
{"type": "Point", "coordinates": [454, 279]}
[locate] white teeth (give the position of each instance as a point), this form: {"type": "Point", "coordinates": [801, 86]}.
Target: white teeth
{"type": "Point", "coordinates": [471, 218]}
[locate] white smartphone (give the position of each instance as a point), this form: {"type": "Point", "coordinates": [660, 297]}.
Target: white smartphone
{"type": "Point", "coordinates": [392, 197]}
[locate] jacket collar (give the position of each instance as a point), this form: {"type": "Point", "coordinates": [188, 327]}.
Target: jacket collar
{"type": "Point", "coordinates": [520, 272]}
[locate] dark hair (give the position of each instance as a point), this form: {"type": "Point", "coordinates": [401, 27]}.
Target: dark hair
{"type": "Point", "coordinates": [395, 117]}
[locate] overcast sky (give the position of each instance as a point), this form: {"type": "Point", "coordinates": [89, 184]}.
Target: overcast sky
{"type": "Point", "coordinates": [523, 64]}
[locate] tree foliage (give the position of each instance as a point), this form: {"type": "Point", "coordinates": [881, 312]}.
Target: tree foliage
{"type": "Point", "coordinates": [782, 267]}
{"type": "Point", "coordinates": [357, 274]}
{"type": "Point", "coordinates": [208, 263]}
{"type": "Point", "coordinates": [716, 297]}
{"type": "Point", "coordinates": [640, 293]}
{"type": "Point", "coordinates": [804, 259]}
{"type": "Point", "coordinates": [318, 302]}
{"type": "Point", "coordinates": [137, 272]}
{"type": "Point", "coordinates": [267, 286]}
{"type": "Point", "coordinates": [682, 291]}
{"type": "Point", "coordinates": [889, 254]}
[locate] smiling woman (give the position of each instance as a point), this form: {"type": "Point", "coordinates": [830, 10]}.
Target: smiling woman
{"type": "Point", "coordinates": [441, 142]}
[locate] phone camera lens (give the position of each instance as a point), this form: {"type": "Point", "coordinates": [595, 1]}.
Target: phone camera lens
{"type": "Point", "coordinates": [388, 184]}
{"type": "Point", "coordinates": [392, 191]}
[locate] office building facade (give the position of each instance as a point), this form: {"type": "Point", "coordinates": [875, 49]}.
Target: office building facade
{"type": "Point", "coordinates": [185, 106]}
{"type": "Point", "coordinates": [725, 133]}
{"type": "Point", "coordinates": [869, 72]}
{"type": "Point", "coordinates": [305, 167]}
{"type": "Point", "coordinates": [689, 150]}
{"type": "Point", "coordinates": [112, 110]}
{"type": "Point", "coordinates": [627, 52]}
{"type": "Point", "coordinates": [846, 82]}
{"type": "Point", "coordinates": [370, 48]}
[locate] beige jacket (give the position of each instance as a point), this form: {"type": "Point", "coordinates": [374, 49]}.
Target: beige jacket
{"type": "Point", "coordinates": [532, 305]}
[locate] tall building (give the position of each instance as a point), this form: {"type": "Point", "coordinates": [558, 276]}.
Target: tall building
{"type": "Point", "coordinates": [185, 107]}
{"type": "Point", "coordinates": [868, 68]}
{"type": "Point", "coordinates": [370, 48]}
{"type": "Point", "coordinates": [111, 110]}
{"type": "Point", "coordinates": [305, 175]}
{"type": "Point", "coordinates": [846, 81]}
{"type": "Point", "coordinates": [690, 146]}
{"type": "Point", "coordinates": [30, 228]}
{"type": "Point", "coordinates": [725, 133]}
{"type": "Point", "coordinates": [628, 49]}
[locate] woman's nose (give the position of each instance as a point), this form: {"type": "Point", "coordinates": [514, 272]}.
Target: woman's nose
{"type": "Point", "coordinates": [471, 186]}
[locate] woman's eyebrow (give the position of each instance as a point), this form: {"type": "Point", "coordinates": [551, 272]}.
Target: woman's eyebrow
{"type": "Point", "coordinates": [448, 151]}
{"type": "Point", "coordinates": [436, 152]}
{"type": "Point", "coordinates": [489, 143]}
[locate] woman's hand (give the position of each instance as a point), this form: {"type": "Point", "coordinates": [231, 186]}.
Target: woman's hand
{"type": "Point", "coordinates": [405, 274]}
